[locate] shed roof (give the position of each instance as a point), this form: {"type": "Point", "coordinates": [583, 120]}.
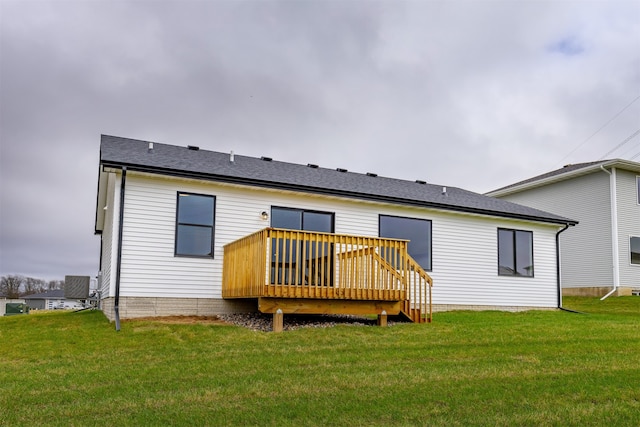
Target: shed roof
{"type": "Point", "coordinates": [188, 162]}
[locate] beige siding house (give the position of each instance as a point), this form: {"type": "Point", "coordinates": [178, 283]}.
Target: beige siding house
{"type": "Point", "coordinates": [601, 254]}
{"type": "Point", "coordinates": [168, 216]}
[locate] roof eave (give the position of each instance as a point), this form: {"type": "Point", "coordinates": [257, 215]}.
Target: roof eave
{"type": "Point", "coordinates": [331, 192]}
{"type": "Point", "coordinates": [625, 164]}
{"type": "Point", "coordinates": [545, 181]}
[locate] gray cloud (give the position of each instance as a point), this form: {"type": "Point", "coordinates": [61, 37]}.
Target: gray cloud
{"type": "Point", "coordinates": [469, 94]}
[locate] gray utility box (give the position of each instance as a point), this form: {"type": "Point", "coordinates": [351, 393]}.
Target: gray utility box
{"type": "Point", "coordinates": [76, 287]}
{"type": "Point", "coordinates": [14, 308]}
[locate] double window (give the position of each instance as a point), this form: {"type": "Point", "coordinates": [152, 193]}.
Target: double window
{"type": "Point", "coordinates": [195, 225]}
{"type": "Point", "coordinates": [417, 231]}
{"type": "Point", "coordinates": [634, 248]}
{"type": "Point", "coordinates": [515, 252]}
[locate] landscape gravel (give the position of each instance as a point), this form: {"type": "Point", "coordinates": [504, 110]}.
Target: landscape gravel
{"type": "Point", "coordinates": [264, 322]}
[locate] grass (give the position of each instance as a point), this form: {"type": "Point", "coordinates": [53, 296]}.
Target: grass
{"type": "Point", "coordinates": [466, 368]}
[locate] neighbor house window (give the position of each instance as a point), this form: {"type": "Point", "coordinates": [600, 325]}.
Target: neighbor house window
{"type": "Point", "coordinates": [194, 225]}
{"type": "Point", "coordinates": [634, 248]}
{"type": "Point", "coordinates": [417, 231]}
{"type": "Point", "coordinates": [515, 253]}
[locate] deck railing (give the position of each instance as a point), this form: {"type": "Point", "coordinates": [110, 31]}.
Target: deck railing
{"type": "Point", "coordinates": [283, 263]}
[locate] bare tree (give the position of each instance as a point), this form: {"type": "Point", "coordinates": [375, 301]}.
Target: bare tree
{"type": "Point", "coordinates": [33, 285]}
{"type": "Point", "coordinates": [55, 284]}
{"type": "Point", "coordinates": [10, 285]}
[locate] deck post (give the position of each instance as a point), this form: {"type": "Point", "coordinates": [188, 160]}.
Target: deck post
{"type": "Point", "coordinates": [382, 318]}
{"type": "Point", "coordinates": [278, 321]}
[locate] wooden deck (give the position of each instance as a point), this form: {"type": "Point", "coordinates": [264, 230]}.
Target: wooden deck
{"type": "Point", "coordinates": [325, 273]}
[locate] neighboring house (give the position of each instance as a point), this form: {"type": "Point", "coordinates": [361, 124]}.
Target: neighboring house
{"type": "Point", "coordinates": [51, 300]}
{"type": "Point", "coordinates": [601, 254]}
{"type": "Point", "coordinates": [186, 231]}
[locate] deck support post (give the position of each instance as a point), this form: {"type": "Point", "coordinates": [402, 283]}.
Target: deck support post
{"type": "Point", "coordinates": [382, 318]}
{"type": "Point", "coordinates": [278, 321]}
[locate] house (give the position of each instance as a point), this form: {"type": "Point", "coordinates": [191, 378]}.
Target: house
{"type": "Point", "coordinates": [51, 300]}
{"type": "Point", "coordinates": [602, 254]}
{"type": "Point", "coordinates": [186, 231]}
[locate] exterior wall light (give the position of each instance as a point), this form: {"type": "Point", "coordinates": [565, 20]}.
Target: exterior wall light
{"type": "Point", "coordinates": [264, 215]}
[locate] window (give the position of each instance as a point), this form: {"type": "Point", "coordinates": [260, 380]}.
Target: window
{"type": "Point", "coordinates": [634, 248]}
{"type": "Point", "coordinates": [417, 231]}
{"type": "Point", "coordinates": [299, 219]}
{"type": "Point", "coordinates": [194, 225]}
{"type": "Point", "coordinates": [515, 253]}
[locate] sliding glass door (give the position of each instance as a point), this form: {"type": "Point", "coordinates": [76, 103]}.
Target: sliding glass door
{"type": "Point", "coordinates": [305, 262]}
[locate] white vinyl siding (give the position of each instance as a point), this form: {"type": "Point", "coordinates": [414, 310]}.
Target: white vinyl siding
{"type": "Point", "coordinates": [465, 259]}
{"type": "Point", "coordinates": [586, 248]}
{"type": "Point", "coordinates": [628, 225]}
{"type": "Point", "coordinates": [464, 246]}
{"type": "Point", "coordinates": [109, 239]}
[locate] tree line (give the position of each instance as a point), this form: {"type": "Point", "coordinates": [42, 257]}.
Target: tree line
{"type": "Point", "coordinates": [16, 286]}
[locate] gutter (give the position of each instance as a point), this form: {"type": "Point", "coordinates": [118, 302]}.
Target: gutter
{"type": "Point", "coordinates": [615, 255]}
{"type": "Point", "coordinates": [116, 305]}
{"type": "Point", "coordinates": [558, 281]}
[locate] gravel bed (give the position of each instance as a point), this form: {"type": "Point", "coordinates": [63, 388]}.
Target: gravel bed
{"type": "Point", "coordinates": [264, 322]}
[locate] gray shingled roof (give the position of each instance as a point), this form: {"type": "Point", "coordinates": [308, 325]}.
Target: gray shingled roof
{"type": "Point", "coordinates": [561, 171]}
{"type": "Point", "coordinates": [566, 172]}
{"type": "Point", "coordinates": [54, 293]}
{"type": "Point", "coordinates": [182, 161]}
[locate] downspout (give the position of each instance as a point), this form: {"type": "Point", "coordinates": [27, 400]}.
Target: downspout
{"type": "Point", "coordinates": [116, 305]}
{"type": "Point", "coordinates": [614, 230]}
{"type": "Point", "coordinates": [558, 281]}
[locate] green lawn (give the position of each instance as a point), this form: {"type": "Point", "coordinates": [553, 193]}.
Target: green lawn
{"type": "Point", "coordinates": [466, 368]}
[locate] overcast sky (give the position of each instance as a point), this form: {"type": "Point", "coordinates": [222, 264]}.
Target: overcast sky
{"type": "Point", "coordinates": [473, 94]}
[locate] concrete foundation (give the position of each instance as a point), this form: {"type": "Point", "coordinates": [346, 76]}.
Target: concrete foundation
{"type": "Point", "coordinates": [453, 307]}
{"type": "Point", "coordinates": [595, 291]}
{"type": "Point", "coordinates": [136, 307]}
